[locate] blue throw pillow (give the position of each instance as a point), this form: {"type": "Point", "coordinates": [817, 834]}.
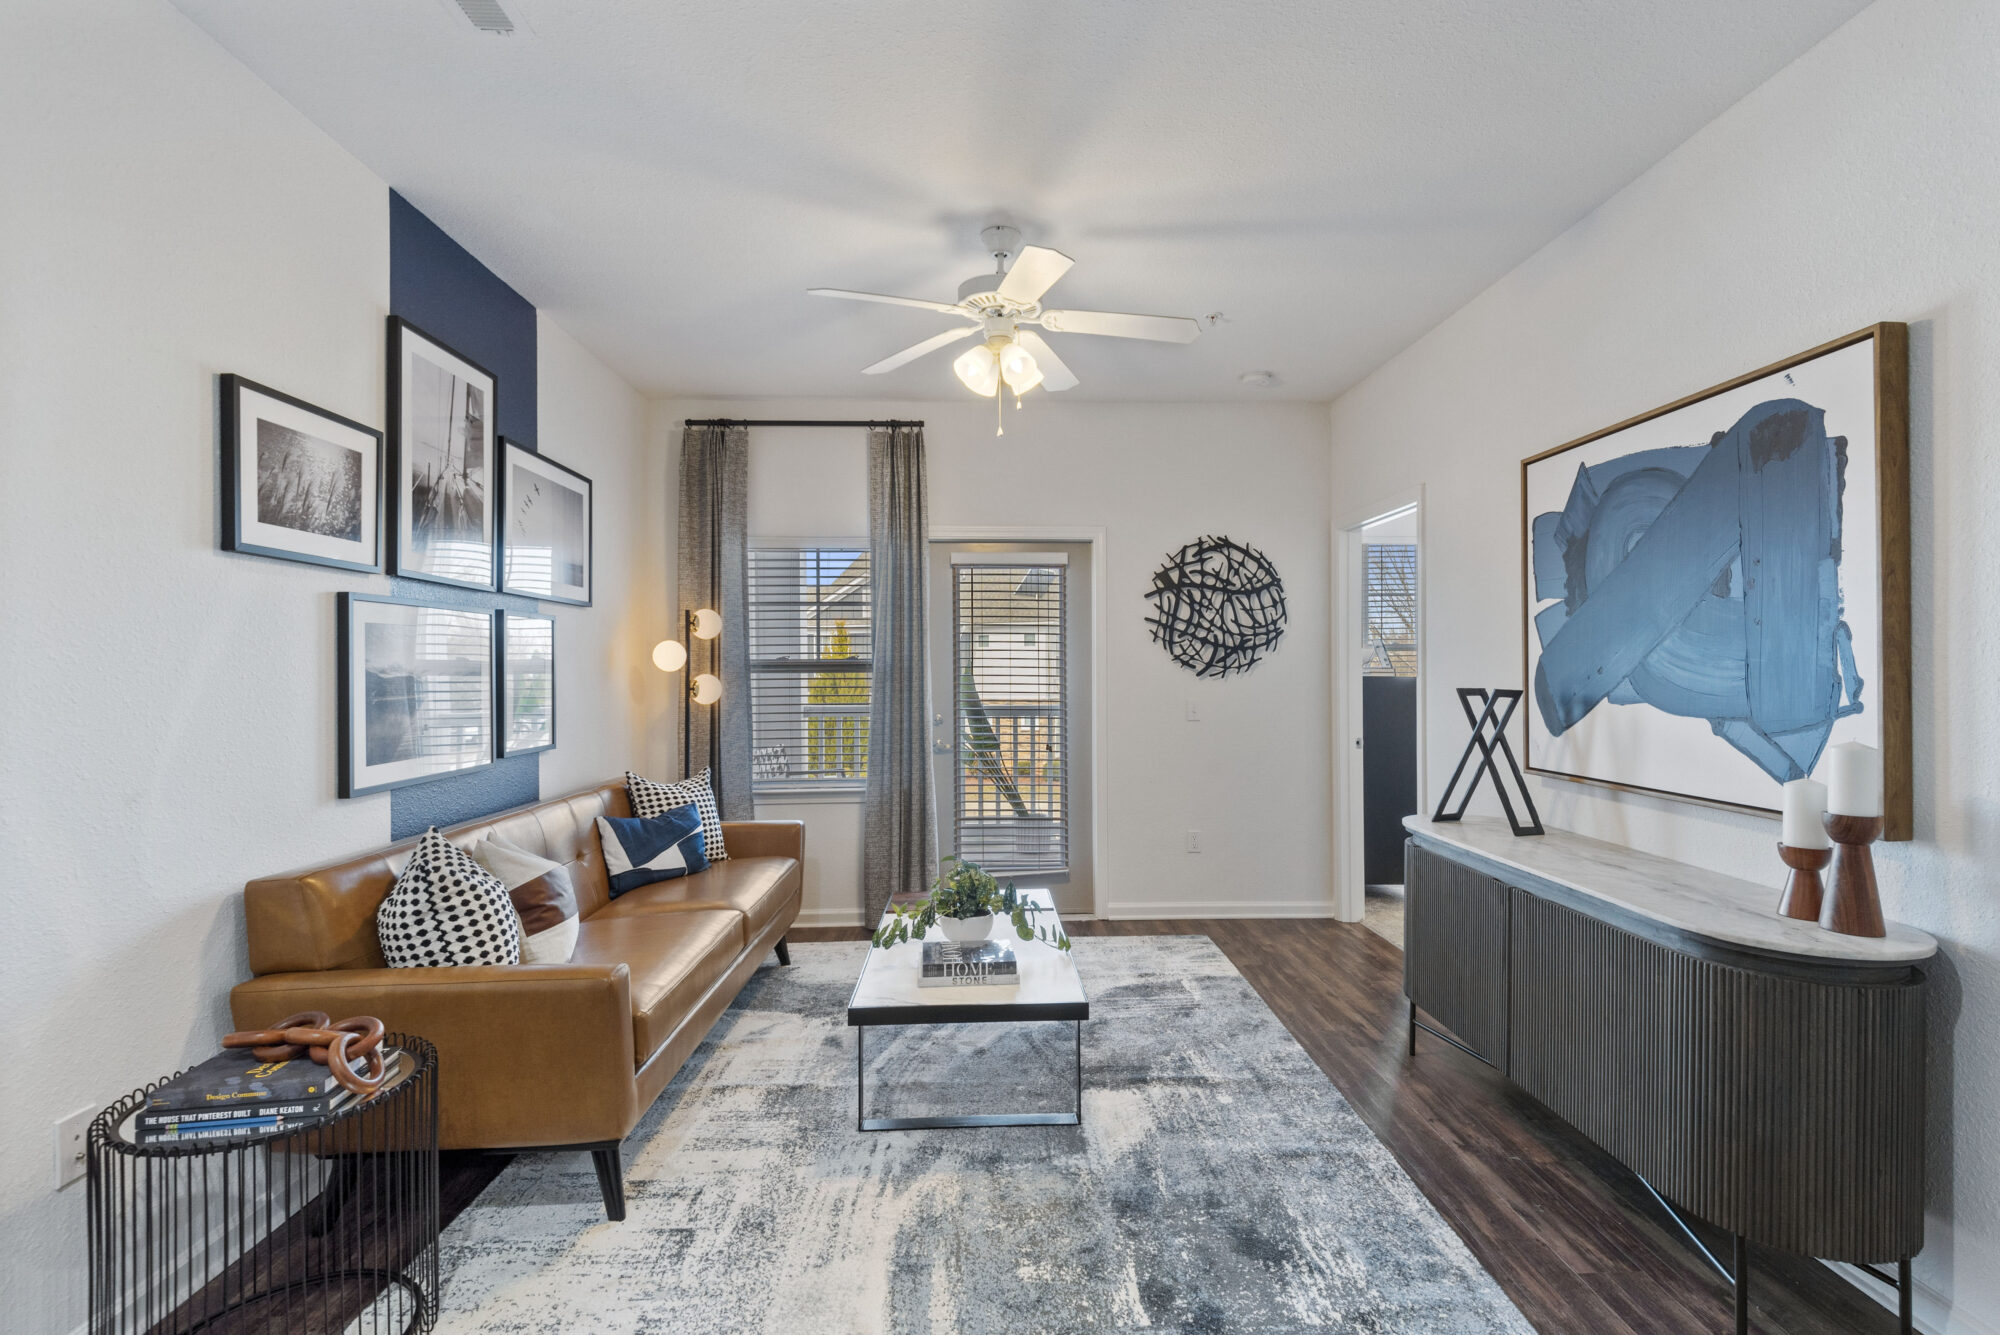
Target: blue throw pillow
{"type": "Point", "coordinates": [642, 849]}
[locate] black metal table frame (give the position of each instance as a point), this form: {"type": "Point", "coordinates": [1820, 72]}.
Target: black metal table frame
{"type": "Point", "coordinates": [863, 1122]}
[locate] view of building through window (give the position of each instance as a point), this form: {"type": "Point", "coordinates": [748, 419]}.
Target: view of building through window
{"type": "Point", "coordinates": [1390, 573]}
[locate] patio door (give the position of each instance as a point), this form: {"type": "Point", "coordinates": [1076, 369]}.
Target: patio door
{"type": "Point", "coordinates": [1010, 696]}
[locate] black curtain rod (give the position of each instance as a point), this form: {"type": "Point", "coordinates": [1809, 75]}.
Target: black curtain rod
{"type": "Point", "coordinates": [741, 421]}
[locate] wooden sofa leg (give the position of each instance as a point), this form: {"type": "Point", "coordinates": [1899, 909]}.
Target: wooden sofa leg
{"type": "Point", "coordinates": [784, 951]}
{"type": "Point", "coordinates": [610, 1179]}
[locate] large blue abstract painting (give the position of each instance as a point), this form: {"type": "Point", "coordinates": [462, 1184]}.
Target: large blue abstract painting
{"type": "Point", "coordinates": [1704, 611]}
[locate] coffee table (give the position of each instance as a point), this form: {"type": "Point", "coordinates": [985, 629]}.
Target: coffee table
{"type": "Point", "coordinates": [887, 993]}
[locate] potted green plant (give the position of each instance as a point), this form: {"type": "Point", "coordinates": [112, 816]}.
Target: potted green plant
{"type": "Point", "coordinates": [967, 902]}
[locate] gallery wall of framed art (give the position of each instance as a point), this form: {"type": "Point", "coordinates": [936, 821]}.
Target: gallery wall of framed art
{"type": "Point", "coordinates": [526, 722]}
{"type": "Point", "coordinates": [442, 439]}
{"type": "Point", "coordinates": [1717, 590]}
{"type": "Point", "coordinates": [298, 483]}
{"type": "Point", "coordinates": [546, 539]}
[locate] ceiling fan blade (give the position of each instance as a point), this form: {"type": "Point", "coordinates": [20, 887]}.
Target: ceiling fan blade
{"type": "Point", "coordinates": [1035, 271]}
{"type": "Point", "coordinates": [916, 350]}
{"type": "Point", "coordinates": [1158, 328]}
{"type": "Point", "coordinates": [1056, 377]}
{"type": "Point", "coordinates": [919, 303]}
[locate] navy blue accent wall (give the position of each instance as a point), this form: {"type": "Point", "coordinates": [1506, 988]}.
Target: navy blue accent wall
{"type": "Point", "coordinates": [437, 285]}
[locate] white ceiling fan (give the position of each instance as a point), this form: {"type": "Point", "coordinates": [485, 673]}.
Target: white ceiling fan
{"type": "Point", "coordinates": [1001, 305]}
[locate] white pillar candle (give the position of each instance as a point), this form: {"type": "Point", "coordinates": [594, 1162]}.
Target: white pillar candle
{"type": "Point", "coordinates": [1805, 803]}
{"type": "Point", "coordinates": [1853, 780]}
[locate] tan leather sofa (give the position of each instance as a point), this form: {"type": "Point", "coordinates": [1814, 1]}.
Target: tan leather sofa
{"type": "Point", "coordinates": [551, 1055]}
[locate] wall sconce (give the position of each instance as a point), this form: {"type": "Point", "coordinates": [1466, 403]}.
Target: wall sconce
{"type": "Point", "coordinates": [705, 688]}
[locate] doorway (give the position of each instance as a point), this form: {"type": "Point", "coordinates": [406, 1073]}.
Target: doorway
{"type": "Point", "coordinates": [1011, 712]}
{"type": "Point", "coordinates": [1379, 651]}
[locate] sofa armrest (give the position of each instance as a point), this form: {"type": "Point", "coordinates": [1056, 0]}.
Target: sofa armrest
{"type": "Point", "coordinates": [527, 1054]}
{"type": "Point", "coordinates": [765, 838]}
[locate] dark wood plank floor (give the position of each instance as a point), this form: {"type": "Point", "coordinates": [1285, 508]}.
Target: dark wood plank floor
{"type": "Point", "coordinates": [1569, 1233]}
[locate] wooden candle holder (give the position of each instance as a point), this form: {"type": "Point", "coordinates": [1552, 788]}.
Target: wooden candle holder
{"type": "Point", "coordinates": [1804, 890]}
{"type": "Point", "coordinates": [1853, 906]}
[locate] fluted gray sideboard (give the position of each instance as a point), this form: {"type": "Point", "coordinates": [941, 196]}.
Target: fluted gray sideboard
{"type": "Point", "coordinates": [1756, 1072]}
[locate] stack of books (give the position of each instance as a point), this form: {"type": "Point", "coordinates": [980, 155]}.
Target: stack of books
{"type": "Point", "coordinates": [969, 964]}
{"type": "Point", "coordinates": [234, 1095]}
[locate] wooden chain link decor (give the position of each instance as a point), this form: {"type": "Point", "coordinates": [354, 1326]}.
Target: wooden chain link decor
{"type": "Point", "coordinates": [337, 1046]}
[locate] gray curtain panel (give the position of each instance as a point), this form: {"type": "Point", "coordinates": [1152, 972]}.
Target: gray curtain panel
{"type": "Point", "coordinates": [899, 826]}
{"type": "Point", "coordinates": [714, 572]}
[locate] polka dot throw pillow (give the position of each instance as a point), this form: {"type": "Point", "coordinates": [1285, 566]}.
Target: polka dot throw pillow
{"type": "Point", "coordinates": [652, 798]}
{"type": "Point", "coordinates": [447, 909]}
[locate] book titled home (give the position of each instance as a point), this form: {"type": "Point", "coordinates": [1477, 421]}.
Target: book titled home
{"type": "Point", "coordinates": [969, 964]}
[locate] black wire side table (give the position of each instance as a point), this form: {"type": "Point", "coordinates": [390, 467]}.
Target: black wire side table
{"type": "Point", "coordinates": [327, 1227]}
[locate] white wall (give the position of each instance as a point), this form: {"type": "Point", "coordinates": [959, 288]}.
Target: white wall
{"type": "Point", "coordinates": [1857, 185]}
{"type": "Point", "coordinates": [1153, 476]}
{"type": "Point", "coordinates": [167, 727]}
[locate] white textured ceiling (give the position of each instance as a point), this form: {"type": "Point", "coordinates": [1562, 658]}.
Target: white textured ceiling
{"type": "Point", "coordinates": [1335, 177]}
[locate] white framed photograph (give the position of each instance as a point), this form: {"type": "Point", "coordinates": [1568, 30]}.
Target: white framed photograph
{"type": "Point", "coordinates": [546, 544]}
{"type": "Point", "coordinates": [416, 691]}
{"type": "Point", "coordinates": [527, 719]}
{"type": "Point", "coordinates": [298, 483]}
{"type": "Point", "coordinates": [441, 433]}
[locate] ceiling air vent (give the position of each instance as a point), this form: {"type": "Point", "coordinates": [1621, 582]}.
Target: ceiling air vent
{"type": "Point", "coordinates": [487, 16]}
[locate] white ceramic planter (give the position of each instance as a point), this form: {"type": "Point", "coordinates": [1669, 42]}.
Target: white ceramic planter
{"type": "Point", "coordinates": [967, 929]}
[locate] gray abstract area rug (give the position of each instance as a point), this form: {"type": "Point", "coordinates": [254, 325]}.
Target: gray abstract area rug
{"type": "Point", "coordinates": [1219, 1182]}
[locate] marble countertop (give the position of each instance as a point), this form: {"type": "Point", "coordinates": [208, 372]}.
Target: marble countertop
{"type": "Point", "coordinates": [1701, 903]}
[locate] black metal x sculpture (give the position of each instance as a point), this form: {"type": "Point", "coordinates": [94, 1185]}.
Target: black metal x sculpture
{"type": "Point", "coordinates": [1490, 715]}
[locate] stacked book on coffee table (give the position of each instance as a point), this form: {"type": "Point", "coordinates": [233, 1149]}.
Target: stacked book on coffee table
{"type": "Point", "coordinates": [233, 1095]}
{"type": "Point", "coordinates": [969, 964]}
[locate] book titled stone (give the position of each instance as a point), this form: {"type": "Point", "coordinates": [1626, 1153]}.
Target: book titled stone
{"type": "Point", "coordinates": [969, 964]}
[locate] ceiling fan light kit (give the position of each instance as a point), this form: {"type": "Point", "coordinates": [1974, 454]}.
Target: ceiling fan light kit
{"type": "Point", "coordinates": [1002, 308]}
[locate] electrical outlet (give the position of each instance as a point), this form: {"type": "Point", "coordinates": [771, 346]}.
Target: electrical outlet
{"type": "Point", "coordinates": [1194, 841]}
{"type": "Point", "coordinates": [70, 1133]}
{"type": "Point", "coordinates": [1193, 712]}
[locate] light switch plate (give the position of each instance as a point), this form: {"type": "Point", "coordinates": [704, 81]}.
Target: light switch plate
{"type": "Point", "coordinates": [70, 1133]}
{"type": "Point", "coordinates": [1193, 712]}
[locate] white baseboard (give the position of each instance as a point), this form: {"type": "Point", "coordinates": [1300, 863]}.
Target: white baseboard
{"type": "Point", "coordinates": [1221, 908]}
{"type": "Point", "coordinates": [827, 918]}
{"type": "Point", "coordinates": [1932, 1313]}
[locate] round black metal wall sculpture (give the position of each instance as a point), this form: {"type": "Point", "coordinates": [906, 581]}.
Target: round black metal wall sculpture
{"type": "Point", "coordinates": [1218, 606]}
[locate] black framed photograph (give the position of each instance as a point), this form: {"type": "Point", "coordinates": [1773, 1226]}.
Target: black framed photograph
{"type": "Point", "coordinates": [527, 719]}
{"type": "Point", "coordinates": [546, 530]}
{"type": "Point", "coordinates": [416, 691]}
{"type": "Point", "coordinates": [441, 434]}
{"type": "Point", "coordinates": [298, 483]}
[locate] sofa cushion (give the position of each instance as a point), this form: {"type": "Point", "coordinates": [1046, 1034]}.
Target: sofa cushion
{"type": "Point", "coordinates": [758, 888]}
{"type": "Point", "coordinates": [447, 909]}
{"type": "Point", "coordinates": [649, 797]}
{"type": "Point", "coordinates": [542, 893]}
{"type": "Point", "coordinates": [674, 958]}
{"type": "Point", "coordinates": [639, 850]}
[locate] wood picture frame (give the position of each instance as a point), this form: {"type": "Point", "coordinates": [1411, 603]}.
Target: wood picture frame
{"type": "Point", "coordinates": [416, 683]}
{"type": "Point", "coordinates": [443, 452]}
{"type": "Point", "coordinates": [299, 483]}
{"type": "Point", "coordinates": [547, 533]}
{"type": "Point", "coordinates": [524, 719]}
{"type": "Point", "coordinates": [1860, 638]}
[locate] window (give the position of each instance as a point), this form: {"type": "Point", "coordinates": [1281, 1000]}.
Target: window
{"type": "Point", "coordinates": [1011, 700]}
{"type": "Point", "coordinates": [809, 668]}
{"type": "Point", "coordinates": [1390, 572]}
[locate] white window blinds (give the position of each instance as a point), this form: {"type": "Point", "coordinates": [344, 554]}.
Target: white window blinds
{"type": "Point", "coordinates": [809, 668]}
{"type": "Point", "coordinates": [1010, 700]}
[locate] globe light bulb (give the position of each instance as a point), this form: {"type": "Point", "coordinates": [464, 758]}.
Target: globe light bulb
{"type": "Point", "coordinates": [707, 624]}
{"type": "Point", "coordinates": [707, 688]}
{"type": "Point", "coordinates": [1017, 367]}
{"type": "Point", "coordinates": [978, 370]}
{"type": "Point", "coordinates": [670, 655]}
